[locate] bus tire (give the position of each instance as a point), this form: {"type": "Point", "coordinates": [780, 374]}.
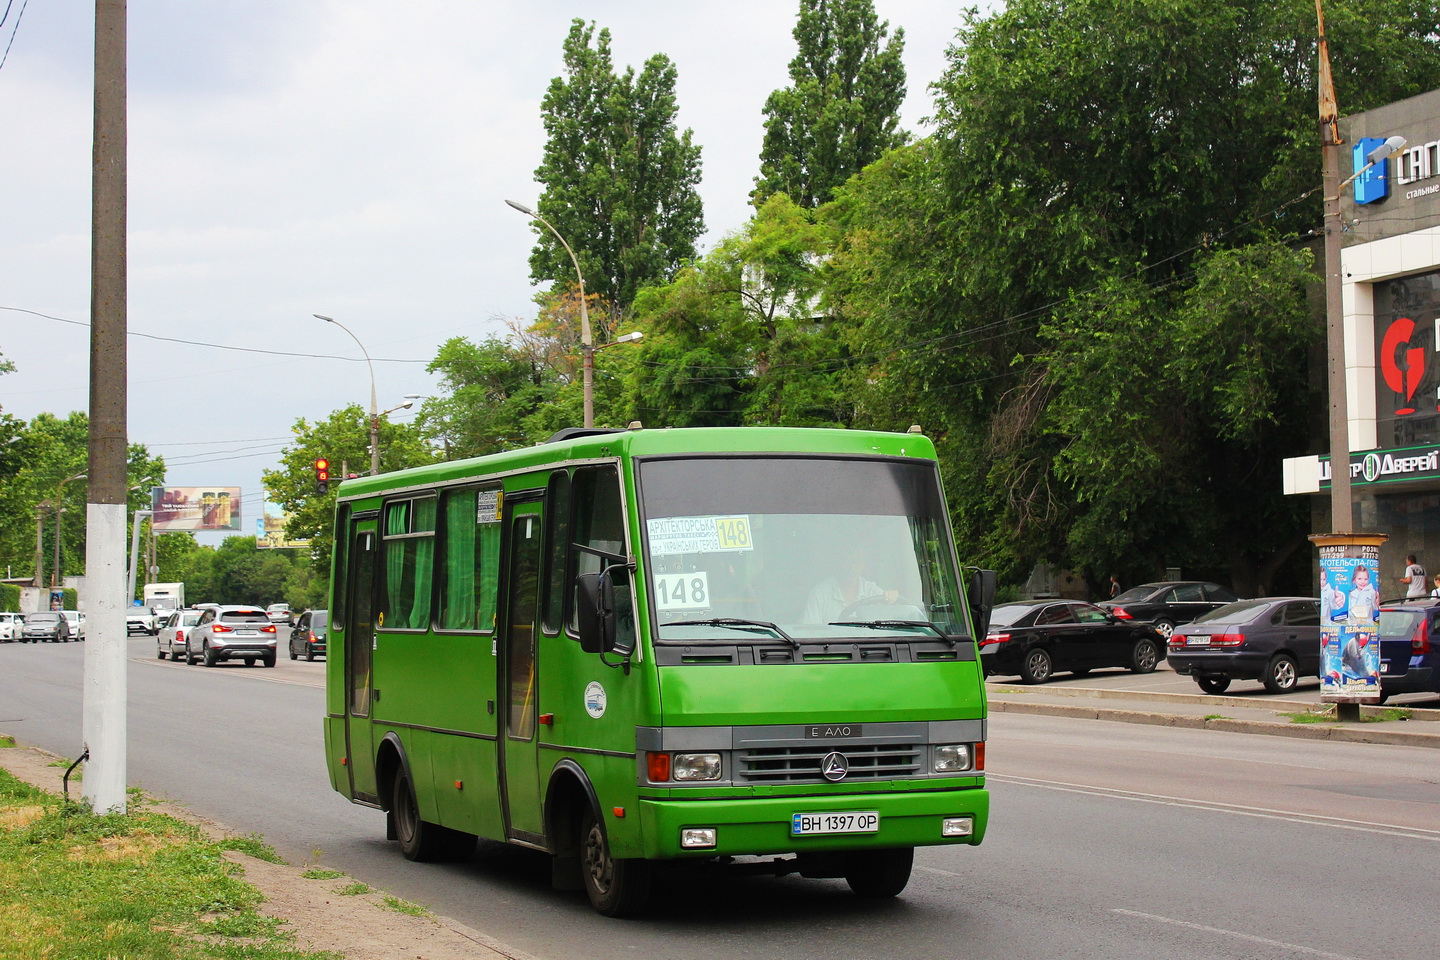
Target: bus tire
{"type": "Point", "coordinates": [879, 874]}
{"type": "Point", "coordinates": [421, 840]}
{"type": "Point", "coordinates": [616, 887]}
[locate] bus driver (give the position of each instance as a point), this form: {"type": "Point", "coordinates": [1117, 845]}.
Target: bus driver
{"type": "Point", "coordinates": [831, 597]}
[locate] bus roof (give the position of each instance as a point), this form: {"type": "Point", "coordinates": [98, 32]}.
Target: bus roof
{"type": "Point", "coordinates": [641, 442]}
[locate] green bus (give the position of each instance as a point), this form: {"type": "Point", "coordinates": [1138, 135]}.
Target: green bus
{"type": "Point", "coordinates": [622, 647]}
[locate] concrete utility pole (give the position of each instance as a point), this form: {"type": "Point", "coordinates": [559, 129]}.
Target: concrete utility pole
{"type": "Point", "coordinates": [103, 723]}
{"type": "Point", "coordinates": [1342, 511]}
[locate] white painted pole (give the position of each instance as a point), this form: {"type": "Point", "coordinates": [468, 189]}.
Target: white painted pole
{"type": "Point", "coordinates": [102, 725]}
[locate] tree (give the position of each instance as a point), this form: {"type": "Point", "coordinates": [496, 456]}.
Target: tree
{"type": "Point", "coordinates": [492, 388]}
{"type": "Point", "coordinates": [342, 438]}
{"type": "Point", "coordinates": [841, 111]}
{"type": "Point", "coordinates": [620, 181]}
{"type": "Point", "coordinates": [740, 336]}
{"type": "Point", "coordinates": [1110, 199]}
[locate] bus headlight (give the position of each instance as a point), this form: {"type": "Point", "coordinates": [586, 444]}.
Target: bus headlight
{"type": "Point", "coordinates": [951, 758]}
{"type": "Point", "coordinates": [696, 766]}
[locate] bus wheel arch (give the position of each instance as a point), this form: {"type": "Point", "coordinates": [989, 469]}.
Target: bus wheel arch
{"type": "Point", "coordinates": [569, 795]}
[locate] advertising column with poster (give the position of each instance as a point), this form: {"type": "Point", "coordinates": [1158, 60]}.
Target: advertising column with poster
{"type": "Point", "coordinates": [1349, 617]}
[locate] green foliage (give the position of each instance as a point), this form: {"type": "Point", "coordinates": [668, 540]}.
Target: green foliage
{"type": "Point", "coordinates": [841, 111]}
{"type": "Point", "coordinates": [9, 597]}
{"type": "Point", "coordinates": [140, 885]}
{"type": "Point", "coordinates": [1084, 286]}
{"type": "Point", "coordinates": [620, 181]}
{"type": "Point", "coordinates": [492, 388]}
{"type": "Point", "coordinates": [44, 457]}
{"type": "Point", "coordinates": [343, 438]}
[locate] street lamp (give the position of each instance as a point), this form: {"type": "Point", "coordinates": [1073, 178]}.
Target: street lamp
{"type": "Point", "coordinates": [587, 345]}
{"type": "Point", "coordinates": [374, 407]}
{"type": "Point", "coordinates": [55, 579]}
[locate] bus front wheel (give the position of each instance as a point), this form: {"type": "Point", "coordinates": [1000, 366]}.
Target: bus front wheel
{"type": "Point", "coordinates": [879, 874]}
{"type": "Point", "coordinates": [421, 840]}
{"type": "Point", "coordinates": [616, 887]}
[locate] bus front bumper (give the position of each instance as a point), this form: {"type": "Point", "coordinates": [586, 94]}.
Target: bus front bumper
{"type": "Point", "coordinates": [760, 827]}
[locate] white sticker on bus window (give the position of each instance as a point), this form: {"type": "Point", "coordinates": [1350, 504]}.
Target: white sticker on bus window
{"type": "Point", "coordinates": [674, 535]}
{"type": "Point", "coordinates": [487, 506]}
{"type": "Point", "coordinates": [682, 591]}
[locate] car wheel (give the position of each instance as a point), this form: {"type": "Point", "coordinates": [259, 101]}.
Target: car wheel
{"type": "Point", "coordinates": [210, 658]}
{"type": "Point", "coordinates": [160, 651]}
{"type": "Point", "coordinates": [1037, 665]}
{"type": "Point", "coordinates": [1144, 657]}
{"type": "Point", "coordinates": [268, 661]}
{"type": "Point", "coordinates": [293, 654]}
{"type": "Point", "coordinates": [175, 655]}
{"type": "Point", "coordinates": [1281, 674]}
{"type": "Point", "coordinates": [189, 657]}
{"type": "Point", "coordinates": [249, 661]}
{"type": "Point", "coordinates": [879, 874]}
{"type": "Point", "coordinates": [421, 840]}
{"type": "Point", "coordinates": [1164, 628]}
{"type": "Point", "coordinates": [309, 653]}
{"type": "Point", "coordinates": [616, 887]}
{"type": "Point", "coordinates": [1213, 684]}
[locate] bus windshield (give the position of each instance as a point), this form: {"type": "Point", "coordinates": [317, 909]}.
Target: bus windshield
{"type": "Point", "coordinates": [822, 548]}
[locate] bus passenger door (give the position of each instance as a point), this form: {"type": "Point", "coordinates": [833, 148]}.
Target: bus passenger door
{"type": "Point", "coordinates": [359, 645]}
{"type": "Point", "coordinates": [519, 763]}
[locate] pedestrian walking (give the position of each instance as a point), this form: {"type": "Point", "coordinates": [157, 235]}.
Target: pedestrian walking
{"type": "Point", "coordinates": [1415, 577]}
{"type": "Point", "coordinates": [1114, 586]}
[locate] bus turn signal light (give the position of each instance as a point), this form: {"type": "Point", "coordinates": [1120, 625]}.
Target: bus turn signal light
{"type": "Point", "coordinates": [657, 767]}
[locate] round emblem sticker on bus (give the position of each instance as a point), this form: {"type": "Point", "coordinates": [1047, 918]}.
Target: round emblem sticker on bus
{"type": "Point", "coordinates": [595, 700]}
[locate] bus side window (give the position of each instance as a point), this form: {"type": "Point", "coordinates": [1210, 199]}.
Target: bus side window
{"type": "Point", "coordinates": [469, 571]}
{"type": "Point", "coordinates": [409, 551]}
{"type": "Point", "coordinates": [557, 527]}
{"type": "Point", "coordinates": [599, 525]}
{"type": "Point", "coordinates": [341, 568]}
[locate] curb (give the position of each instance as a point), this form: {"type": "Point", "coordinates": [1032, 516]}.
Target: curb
{"type": "Point", "coordinates": [1298, 731]}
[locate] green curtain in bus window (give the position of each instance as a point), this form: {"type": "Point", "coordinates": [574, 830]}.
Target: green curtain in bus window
{"type": "Point", "coordinates": [397, 521]}
{"type": "Point", "coordinates": [458, 596]}
{"type": "Point", "coordinates": [487, 563]}
{"type": "Point", "coordinates": [422, 563]}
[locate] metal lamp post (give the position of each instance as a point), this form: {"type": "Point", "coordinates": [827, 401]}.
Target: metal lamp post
{"type": "Point", "coordinates": [374, 407]}
{"type": "Point", "coordinates": [55, 578]}
{"type": "Point", "coordinates": [587, 345]}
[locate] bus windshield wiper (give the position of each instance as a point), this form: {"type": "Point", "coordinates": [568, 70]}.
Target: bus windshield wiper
{"type": "Point", "coordinates": [737, 623]}
{"type": "Point", "coordinates": [896, 623]}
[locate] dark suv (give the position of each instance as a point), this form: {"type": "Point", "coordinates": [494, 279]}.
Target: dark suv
{"type": "Point", "coordinates": [1410, 647]}
{"type": "Point", "coordinates": [1167, 603]}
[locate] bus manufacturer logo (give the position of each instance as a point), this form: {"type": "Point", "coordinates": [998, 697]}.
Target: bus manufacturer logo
{"type": "Point", "coordinates": [834, 767]}
{"type": "Point", "coordinates": [595, 700]}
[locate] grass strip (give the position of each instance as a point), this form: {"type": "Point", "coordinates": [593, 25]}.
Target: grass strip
{"type": "Point", "coordinates": [141, 885]}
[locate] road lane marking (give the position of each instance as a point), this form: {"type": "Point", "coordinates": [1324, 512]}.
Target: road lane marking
{"type": "Point", "coordinates": [1341, 823]}
{"type": "Point", "coordinates": [153, 662]}
{"type": "Point", "coordinates": [1295, 947]}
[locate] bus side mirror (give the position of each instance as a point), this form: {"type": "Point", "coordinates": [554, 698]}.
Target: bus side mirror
{"type": "Point", "coordinates": [595, 612]}
{"type": "Point", "coordinates": [981, 595]}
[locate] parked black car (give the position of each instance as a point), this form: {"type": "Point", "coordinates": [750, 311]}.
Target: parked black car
{"type": "Point", "coordinates": [1275, 640]}
{"type": "Point", "coordinates": [1170, 602]}
{"type": "Point", "coordinates": [1033, 639]}
{"type": "Point", "coordinates": [307, 637]}
{"type": "Point", "coordinates": [1410, 647]}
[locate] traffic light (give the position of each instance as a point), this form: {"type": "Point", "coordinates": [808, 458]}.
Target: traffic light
{"type": "Point", "coordinates": [322, 475]}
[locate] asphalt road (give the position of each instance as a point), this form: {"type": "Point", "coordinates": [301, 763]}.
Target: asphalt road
{"type": "Point", "coordinates": [1107, 840]}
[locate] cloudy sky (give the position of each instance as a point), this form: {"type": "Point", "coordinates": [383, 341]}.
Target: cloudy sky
{"type": "Point", "coordinates": [343, 157]}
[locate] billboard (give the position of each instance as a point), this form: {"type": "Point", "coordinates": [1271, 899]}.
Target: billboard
{"type": "Point", "coordinates": [195, 508]}
{"type": "Point", "coordinates": [270, 529]}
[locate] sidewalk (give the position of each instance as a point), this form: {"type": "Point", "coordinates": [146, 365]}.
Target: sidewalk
{"type": "Point", "coordinates": [1232, 714]}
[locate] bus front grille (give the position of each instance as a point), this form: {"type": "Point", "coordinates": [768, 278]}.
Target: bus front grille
{"type": "Point", "coordinates": [802, 764]}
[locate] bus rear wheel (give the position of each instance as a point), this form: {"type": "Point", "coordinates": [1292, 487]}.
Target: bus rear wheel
{"type": "Point", "coordinates": [421, 840]}
{"type": "Point", "coordinates": [616, 887]}
{"type": "Point", "coordinates": [879, 874]}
